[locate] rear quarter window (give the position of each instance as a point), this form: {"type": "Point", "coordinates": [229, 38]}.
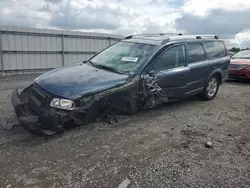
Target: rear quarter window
{"type": "Point", "coordinates": [214, 49]}
{"type": "Point", "coordinates": [196, 52]}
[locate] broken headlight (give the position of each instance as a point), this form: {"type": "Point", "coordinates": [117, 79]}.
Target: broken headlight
{"type": "Point", "coordinates": [65, 104]}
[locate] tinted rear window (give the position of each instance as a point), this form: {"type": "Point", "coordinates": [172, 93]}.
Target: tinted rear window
{"type": "Point", "coordinates": [195, 52]}
{"type": "Point", "coordinates": [214, 49]}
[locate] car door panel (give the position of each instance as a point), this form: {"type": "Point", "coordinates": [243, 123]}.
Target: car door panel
{"type": "Point", "coordinates": [173, 82]}
{"type": "Point", "coordinates": [171, 71]}
{"type": "Point", "coordinates": [199, 67]}
{"type": "Point", "coordinates": [198, 73]}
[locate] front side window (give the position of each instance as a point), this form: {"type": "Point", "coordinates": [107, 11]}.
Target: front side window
{"type": "Point", "coordinates": [214, 49]}
{"type": "Point", "coordinates": [242, 55]}
{"type": "Point", "coordinates": [172, 58]}
{"type": "Point", "coordinates": [196, 52]}
{"type": "Point", "coordinates": [125, 57]}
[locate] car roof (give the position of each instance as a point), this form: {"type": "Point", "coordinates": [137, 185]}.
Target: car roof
{"type": "Point", "coordinates": [164, 38]}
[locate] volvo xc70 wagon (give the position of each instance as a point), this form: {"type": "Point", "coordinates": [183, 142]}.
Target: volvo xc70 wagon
{"type": "Point", "coordinates": [136, 73]}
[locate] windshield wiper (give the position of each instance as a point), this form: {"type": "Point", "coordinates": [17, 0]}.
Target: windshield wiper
{"type": "Point", "coordinates": [109, 68]}
{"type": "Point", "coordinates": [89, 61]}
{"type": "Point", "coordinates": [103, 67]}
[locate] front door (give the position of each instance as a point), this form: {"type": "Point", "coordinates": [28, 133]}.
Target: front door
{"type": "Point", "coordinates": [171, 71]}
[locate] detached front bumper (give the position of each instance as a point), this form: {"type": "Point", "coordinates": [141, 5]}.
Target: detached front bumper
{"type": "Point", "coordinates": [30, 121]}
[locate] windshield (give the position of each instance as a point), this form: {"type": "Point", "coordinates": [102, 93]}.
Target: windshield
{"type": "Point", "coordinates": [242, 55]}
{"type": "Point", "coordinates": [124, 57]}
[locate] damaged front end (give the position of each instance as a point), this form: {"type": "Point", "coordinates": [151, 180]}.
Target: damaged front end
{"type": "Point", "coordinates": [152, 92]}
{"type": "Point", "coordinates": [36, 115]}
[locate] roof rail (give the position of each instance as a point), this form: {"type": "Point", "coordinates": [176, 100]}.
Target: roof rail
{"type": "Point", "coordinates": [152, 35]}
{"type": "Point", "coordinates": [207, 36]}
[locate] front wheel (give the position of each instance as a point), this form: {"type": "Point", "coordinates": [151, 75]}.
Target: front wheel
{"type": "Point", "coordinates": [211, 88]}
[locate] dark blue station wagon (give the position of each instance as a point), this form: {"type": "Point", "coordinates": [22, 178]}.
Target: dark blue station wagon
{"type": "Point", "coordinates": [139, 72]}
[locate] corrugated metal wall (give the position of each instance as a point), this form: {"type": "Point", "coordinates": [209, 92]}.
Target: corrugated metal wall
{"type": "Point", "coordinates": [29, 50]}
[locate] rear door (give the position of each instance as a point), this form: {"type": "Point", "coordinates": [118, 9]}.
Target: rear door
{"type": "Point", "coordinates": [218, 59]}
{"type": "Point", "coordinates": [198, 66]}
{"type": "Point", "coordinates": [171, 71]}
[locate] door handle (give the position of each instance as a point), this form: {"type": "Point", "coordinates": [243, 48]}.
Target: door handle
{"type": "Point", "coordinates": [206, 68]}
{"type": "Point", "coordinates": [184, 76]}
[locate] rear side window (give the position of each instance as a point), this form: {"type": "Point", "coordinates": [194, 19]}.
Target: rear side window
{"type": "Point", "coordinates": [214, 49]}
{"type": "Point", "coordinates": [195, 52]}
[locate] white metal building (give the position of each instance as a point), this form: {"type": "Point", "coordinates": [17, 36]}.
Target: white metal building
{"type": "Point", "coordinates": [31, 50]}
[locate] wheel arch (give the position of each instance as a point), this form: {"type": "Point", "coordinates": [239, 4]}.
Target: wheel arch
{"type": "Point", "coordinates": [217, 73]}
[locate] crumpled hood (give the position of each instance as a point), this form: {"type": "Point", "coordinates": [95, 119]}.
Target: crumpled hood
{"type": "Point", "coordinates": [78, 79]}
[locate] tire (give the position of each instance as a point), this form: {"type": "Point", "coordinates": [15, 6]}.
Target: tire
{"type": "Point", "coordinates": [211, 88]}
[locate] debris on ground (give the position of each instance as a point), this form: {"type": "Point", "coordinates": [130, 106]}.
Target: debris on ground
{"type": "Point", "coordinates": [8, 125]}
{"type": "Point", "coordinates": [125, 183]}
{"type": "Point", "coordinates": [209, 144]}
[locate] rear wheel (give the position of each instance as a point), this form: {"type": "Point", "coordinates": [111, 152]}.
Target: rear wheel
{"type": "Point", "coordinates": [211, 88]}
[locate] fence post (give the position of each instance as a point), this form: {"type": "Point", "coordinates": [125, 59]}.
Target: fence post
{"type": "Point", "coordinates": [1, 53]}
{"type": "Point", "coordinates": [63, 58]}
{"type": "Point", "coordinates": [109, 41]}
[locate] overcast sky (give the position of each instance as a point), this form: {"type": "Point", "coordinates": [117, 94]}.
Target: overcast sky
{"type": "Point", "coordinates": [227, 18]}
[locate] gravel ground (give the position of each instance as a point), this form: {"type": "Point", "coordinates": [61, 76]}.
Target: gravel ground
{"type": "Point", "coordinates": [162, 147]}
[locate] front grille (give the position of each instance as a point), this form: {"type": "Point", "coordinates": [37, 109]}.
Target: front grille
{"type": "Point", "coordinates": [37, 98]}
